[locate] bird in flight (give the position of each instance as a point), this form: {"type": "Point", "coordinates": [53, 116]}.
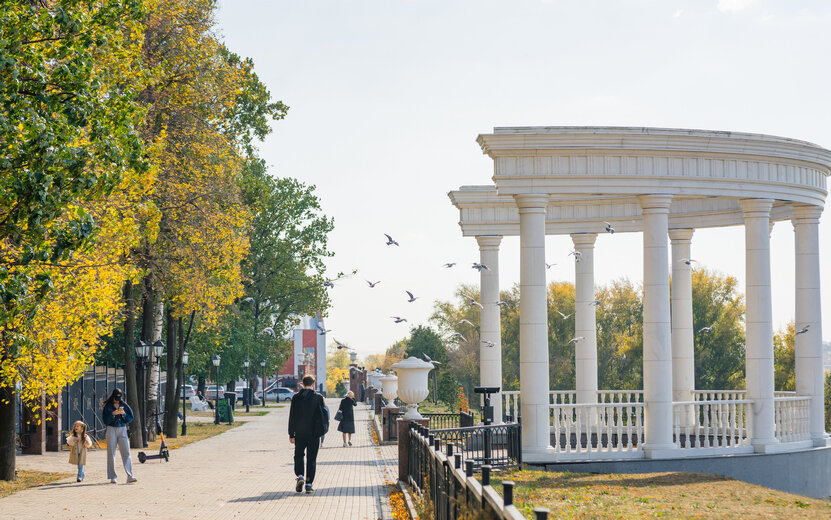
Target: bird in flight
{"type": "Point", "coordinates": [575, 340]}
{"type": "Point", "coordinates": [803, 330]}
{"type": "Point", "coordinates": [609, 228]}
{"type": "Point", "coordinates": [502, 304]}
{"type": "Point", "coordinates": [329, 284]}
{"type": "Point", "coordinates": [565, 316]}
{"type": "Point", "coordinates": [398, 319]}
{"type": "Point", "coordinates": [488, 343]}
{"type": "Point", "coordinates": [390, 241]}
{"type": "Point", "coordinates": [339, 344]}
{"type": "Point", "coordinates": [688, 261]}
{"type": "Point", "coordinates": [465, 320]}
{"type": "Point", "coordinates": [474, 302]}
{"type": "Point", "coordinates": [373, 284]}
{"type": "Point", "coordinates": [549, 266]}
{"type": "Point", "coordinates": [430, 360]}
{"type": "Point", "coordinates": [705, 329]}
{"type": "Point", "coordinates": [595, 303]}
{"type": "Point", "coordinates": [458, 335]}
{"type": "Point", "coordinates": [410, 297]}
{"type": "Point", "coordinates": [269, 331]}
{"type": "Point", "coordinates": [449, 264]}
{"type": "Point", "coordinates": [249, 300]}
{"type": "Point", "coordinates": [479, 267]}
{"type": "Point", "coordinates": [577, 255]}
{"type": "Point", "coordinates": [322, 330]}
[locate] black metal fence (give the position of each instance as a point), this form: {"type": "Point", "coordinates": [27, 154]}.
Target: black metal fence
{"type": "Point", "coordinates": [494, 445]}
{"type": "Point", "coordinates": [83, 400]}
{"type": "Point", "coordinates": [437, 421]}
{"type": "Point", "coordinates": [455, 492]}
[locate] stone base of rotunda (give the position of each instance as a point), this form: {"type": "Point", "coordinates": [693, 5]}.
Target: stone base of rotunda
{"type": "Point", "coordinates": [806, 472]}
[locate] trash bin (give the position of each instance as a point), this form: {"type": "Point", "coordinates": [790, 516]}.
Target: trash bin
{"type": "Point", "coordinates": [226, 413]}
{"type": "Point", "coordinates": [232, 398]}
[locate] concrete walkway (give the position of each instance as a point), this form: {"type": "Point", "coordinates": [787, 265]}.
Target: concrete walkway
{"type": "Point", "coordinates": [246, 472]}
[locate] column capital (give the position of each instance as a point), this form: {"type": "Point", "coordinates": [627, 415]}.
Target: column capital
{"type": "Point", "coordinates": [756, 207]}
{"type": "Point", "coordinates": [489, 242]}
{"type": "Point", "coordinates": [806, 214]}
{"type": "Point", "coordinates": [655, 203]}
{"type": "Point", "coordinates": [681, 236]}
{"type": "Point", "coordinates": [583, 240]}
{"type": "Point", "coordinates": [531, 202]}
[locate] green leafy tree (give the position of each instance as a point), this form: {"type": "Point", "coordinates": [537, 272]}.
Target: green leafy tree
{"type": "Point", "coordinates": [719, 352]}
{"type": "Point", "coordinates": [784, 359]}
{"type": "Point", "coordinates": [620, 336]}
{"type": "Point", "coordinates": [69, 72]}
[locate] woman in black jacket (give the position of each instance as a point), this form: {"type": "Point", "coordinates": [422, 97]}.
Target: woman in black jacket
{"type": "Point", "coordinates": [347, 424]}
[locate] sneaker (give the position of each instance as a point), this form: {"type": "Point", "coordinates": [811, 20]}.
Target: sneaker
{"type": "Point", "coordinates": [113, 481]}
{"type": "Point", "coordinates": [350, 443]}
{"type": "Point", "coordinates": [130, 480]}
{"type": "Point", "coordinates": [344, 444]}
{"type": "Point", "coordinates": [299, 486]}
{"type": "Point", "coordinates": [78, 479]}
{"type": "Point", "coordinates": [309, 489]}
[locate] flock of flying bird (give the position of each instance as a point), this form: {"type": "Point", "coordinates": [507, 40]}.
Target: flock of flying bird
{"type": "Point", "coordinates": [472, 301]}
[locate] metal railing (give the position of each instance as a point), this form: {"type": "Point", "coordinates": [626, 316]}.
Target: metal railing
{"type": "Point", "coordinates": [454, 492]}
{"type": "Point", "coordinates": [437, 421]}
{"type": "Point", "coordinates": [83, 400]}
{"type": "Point", "coordinates": [495, 445]}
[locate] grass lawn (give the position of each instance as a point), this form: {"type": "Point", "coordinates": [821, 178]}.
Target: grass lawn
{"type": "Point", "coordinates": [27, 479]}
{"type": "Point", "coordinates": [655, 495]}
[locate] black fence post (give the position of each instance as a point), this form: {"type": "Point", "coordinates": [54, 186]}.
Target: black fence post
{"type": "Point", "coordinates": [486, 475]}
{"type": "Point", "coordinates": [468, 468]}
{"type": "Point", "coordinates": [541, 513]}
{"type": "Point", "coordinates": [507, 492]}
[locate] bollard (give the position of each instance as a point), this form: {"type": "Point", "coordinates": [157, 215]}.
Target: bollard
{"type": "Point", "coordinates": [508, 492]}
{"type": "Point", "coordinates": [437, 444]}
{"type": "Point", "coordinates": [457, 461]}
{"type": "Point", "coordinates": [541, 513]}
{"type": "Point", "coordinates": [468, 468]}
{"type": "Point", "coordinates": [486, 475]}
{"type": "Point", "coordinates": [449, 449]}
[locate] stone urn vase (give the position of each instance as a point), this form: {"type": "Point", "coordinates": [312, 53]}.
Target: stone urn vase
{"type": "Point", "coordinates": [389, 389]}
{"type": "Point", "coordinates": [372, 377]}
{"type": "Point", "coordinates": [412, 384]}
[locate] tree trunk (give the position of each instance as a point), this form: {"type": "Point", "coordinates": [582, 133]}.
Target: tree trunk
{"type": "Point", "coordinates": [7, 448]}
{"type": "Point", "coordinates": [130, 376]}
{"type": "Point", "coordinates": [200, 386]}
{"type": "Point", "coordinates": [171, 406]}
{"type": "Point", "coordinates": [154, 374]}
{"type": "Point", "coordinates": [148, 304]}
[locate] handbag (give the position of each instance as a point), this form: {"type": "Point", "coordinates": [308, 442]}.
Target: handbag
{"type": "Point", "coordinates": [339, 416]}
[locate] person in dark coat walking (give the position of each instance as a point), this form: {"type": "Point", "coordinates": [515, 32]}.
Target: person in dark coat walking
{"type": "Point", "coordinates": [347, 424]}
{"type": "Point", "coordinates": [307, 423]}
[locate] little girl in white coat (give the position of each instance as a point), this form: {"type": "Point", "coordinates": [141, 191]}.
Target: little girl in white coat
{"type": "Point", "coordinates": [78, 442]}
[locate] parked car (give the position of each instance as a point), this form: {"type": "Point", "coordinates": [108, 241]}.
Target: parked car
{"type": "Point", "coordinates": [210, 392]}
{"type": "Point", "coordinates": [188, 391]}
{"type": "Point", "coordinates": [277, 393]}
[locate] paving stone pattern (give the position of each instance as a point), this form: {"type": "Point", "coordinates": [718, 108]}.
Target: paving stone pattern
{"type": "Point", "coordinates": [246, 472]}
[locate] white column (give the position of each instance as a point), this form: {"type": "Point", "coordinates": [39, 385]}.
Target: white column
{"type": "Point", "coordinates": [657, 344]}
{"type": "Point", "coordinates": [759, 321]}
{"type": "Point", "coordinates": [585, 322]}
{"type": "Point", "coordinates": [490, 336]}
{"type": "Point", "coordinates": [683, 347]}
{"type": "Point", "coordinates": [533, 328]}
{"type": "Point", "coordinates": [809, 372]}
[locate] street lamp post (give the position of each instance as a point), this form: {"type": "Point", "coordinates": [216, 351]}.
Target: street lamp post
{"type": "Point", "coordinates": [184, 402]}
{"type": "Point", "coordinates": [142, 350]}
{"type": "Point", "coordinates": [215, 360]}
{"type": "Point", "coordinates": [245, 363]}
{"type": "Point", "coordinates": [262, 365]}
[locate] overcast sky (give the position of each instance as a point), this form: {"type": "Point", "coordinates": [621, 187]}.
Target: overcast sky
{"type": "Point", "coordinates": [387, 98]}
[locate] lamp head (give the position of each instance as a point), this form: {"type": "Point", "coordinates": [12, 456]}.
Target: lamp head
{"type": "Point", "coordinates": [158, 348]}
{"type": "Point", "coordinates": [215, 359]}
{"type": "Point", "coordinates": [245, 363]}
{"type": "Point", "coordinates": [142, 349]}
{"type": "Point", "coordinates": [185, 357]}
{"type": "Point", "coordinates": [262, 363]}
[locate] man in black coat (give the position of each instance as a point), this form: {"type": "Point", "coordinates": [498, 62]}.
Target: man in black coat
{"type": "Point", "coordinates": [307, 422]}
